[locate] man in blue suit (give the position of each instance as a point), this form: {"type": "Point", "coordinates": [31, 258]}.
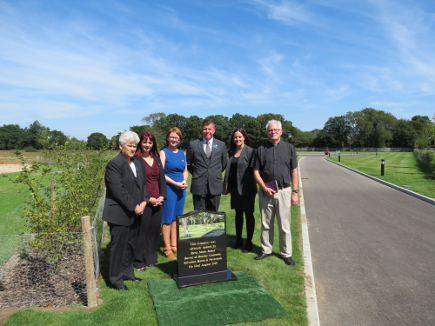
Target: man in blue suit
{"type": "Point", "coordinates": [206, 160]}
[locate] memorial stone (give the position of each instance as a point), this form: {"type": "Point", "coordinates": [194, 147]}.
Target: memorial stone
{"type": "Point", "coordinates": [202, 249]}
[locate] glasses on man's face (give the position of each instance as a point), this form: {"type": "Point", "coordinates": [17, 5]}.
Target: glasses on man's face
{"type": "Point", "coordinates": [270, 131]}
{"type": "Point", "coordinates": [174, 138]}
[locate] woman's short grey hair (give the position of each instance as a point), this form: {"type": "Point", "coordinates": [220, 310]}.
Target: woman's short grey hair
{"type": "Point", "coordinates": [128, 136]}
{"type": "Point", "coordinates": [273, 121]}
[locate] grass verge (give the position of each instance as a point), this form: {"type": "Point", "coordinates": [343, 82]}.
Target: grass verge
{"type": "Point", "coordinates": [402, 169]}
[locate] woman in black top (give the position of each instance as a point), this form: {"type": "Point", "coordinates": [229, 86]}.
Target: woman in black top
{"type": "Point", "coordinates": [240, 183]}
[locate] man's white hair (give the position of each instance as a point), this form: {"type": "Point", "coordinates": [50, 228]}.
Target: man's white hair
{"type": "Point", "coordinates": [273, 121]}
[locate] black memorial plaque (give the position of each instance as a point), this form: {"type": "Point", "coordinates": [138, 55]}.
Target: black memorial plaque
{"type": "Point", "coordinates": [202, 249]}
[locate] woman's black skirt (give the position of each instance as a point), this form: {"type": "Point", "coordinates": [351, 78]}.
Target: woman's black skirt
{"type": "Point", "coordinates": [244, 203]}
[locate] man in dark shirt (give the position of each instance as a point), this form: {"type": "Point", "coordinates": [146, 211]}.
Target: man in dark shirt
{"type": "Point", "coordinates": [276, 172]}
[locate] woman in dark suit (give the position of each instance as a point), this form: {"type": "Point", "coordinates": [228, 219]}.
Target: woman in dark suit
{"type": "Point", "coordinates": [149, 228]}
{"type": "Point", "coordinates": [240, 183]}
{"type": "Point", "coordinates": [126, 198]}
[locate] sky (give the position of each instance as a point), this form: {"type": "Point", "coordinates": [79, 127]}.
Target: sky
{"type": "Point", "coordinates": [101, 66]}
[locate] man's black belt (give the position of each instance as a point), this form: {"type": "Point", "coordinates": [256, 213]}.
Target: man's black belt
{"type": "Point", "coordinates": [283, 187]}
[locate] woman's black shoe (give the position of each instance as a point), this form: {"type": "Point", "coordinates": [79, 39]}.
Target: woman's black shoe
{"type": "Point", "coordinates": [248, 247]}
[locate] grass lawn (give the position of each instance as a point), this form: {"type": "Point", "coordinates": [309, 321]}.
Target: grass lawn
{"type": "Point", "coordinates": [12, 197]}
{"type": "Point", "coordinates": [401, 169]}
{"type": "Point", "coordinates": [134, 307]}
{"type": "Point", "coordinates": [12, 220]}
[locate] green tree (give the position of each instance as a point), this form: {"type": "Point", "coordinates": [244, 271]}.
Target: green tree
{"type": "Point", "coordinates": [339, 130]}
{"type": "Point", "coordinates": [289, 131]}
{"type": "Point", "coordinates": [156, 124]}
{"type": "Point", "coordinates": [56, 210]}
{"type": "Point", "coordinates": [97, 141]}
{"type": "Point", "coordinates": [263, 119]}
{"type": "Point", "coordinates": [174, 120]}
{"type": "Point", "coordinates": [403, 134]}
{"type": "Point", "coordinates": [323, 139]}
{"type": "Point", "coordinates": [222, 129]}
{"type": "Point", "coordinates": [57, 138]}
{"type": "Point", "coordinates": [432, 132]}
{"type": "Point", "coordinates": [423, 131]}
{"type": "Point", "coordinates": [33, 135]}
{"type": "Point", "coordinates": [114, 140]}
{"type": "Point", "coordinates": [11, 137]}
{"type": "Point", "coordinates": [415, 133]}
{"type": "Point", "coordinates": [191, 131]}
{"type": "Point", "coordinates": [75, 144]}
{"type": "Point", "coordinates": [251, 126]}
{"type": "Point", "coordinates": [43, 139]}
{"type": "Point", "coordinates": [351, 123]}
{"type": "Point", "coordinates": [303, 138]}
{"type": "Point", "coordinates": [374, 128]}
{"type": "Point", "coordinates": [137, 129]}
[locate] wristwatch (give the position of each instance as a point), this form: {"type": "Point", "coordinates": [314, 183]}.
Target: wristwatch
{"type": "Point", "coordinates": [296, 191]}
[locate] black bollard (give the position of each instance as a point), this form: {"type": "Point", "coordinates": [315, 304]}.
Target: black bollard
{"type": "Point", "coordinates": [338, 157]}
{"type": "Point", "coordinates": [382, 167]}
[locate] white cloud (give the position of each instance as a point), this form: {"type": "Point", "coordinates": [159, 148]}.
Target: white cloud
{"type": "Point", "coordinates": [287, 12]}
{"type": "Point", "coordinates": [270, 64]}
{"type": "Point", "coordinates": [410, 29]}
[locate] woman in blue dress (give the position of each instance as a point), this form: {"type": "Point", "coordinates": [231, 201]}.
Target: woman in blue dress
{"type": "Point", "coordinates": [174, 164]}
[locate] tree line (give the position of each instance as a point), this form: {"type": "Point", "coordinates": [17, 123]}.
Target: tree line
{"type": "Point", "coordinates": [31, 138]}
{"type": "Point", "coordinates": [365, 128]}
{"type": "Point", "coordinates": [374, 128]}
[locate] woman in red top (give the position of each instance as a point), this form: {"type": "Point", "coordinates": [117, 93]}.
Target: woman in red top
{"type": "Point", "coordinates": [149, 229]}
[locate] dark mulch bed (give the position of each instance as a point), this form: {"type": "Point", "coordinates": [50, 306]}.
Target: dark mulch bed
{"type": "Point", "coordinates": [31, 279]}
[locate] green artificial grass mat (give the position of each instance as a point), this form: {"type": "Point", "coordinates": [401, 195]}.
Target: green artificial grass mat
{"type": "Point", "coordinates": [213, 304]}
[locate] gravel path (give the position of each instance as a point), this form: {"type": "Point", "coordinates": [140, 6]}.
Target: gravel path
{"type": "Point", "coordinates": [9, 168]}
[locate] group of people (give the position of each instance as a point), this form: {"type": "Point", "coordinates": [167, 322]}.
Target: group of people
{"type": "Point", "coordinates": [146, 190]}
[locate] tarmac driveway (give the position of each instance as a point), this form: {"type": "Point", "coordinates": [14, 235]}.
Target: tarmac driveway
{"type": "Point", "coordinates": [372, 246]}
